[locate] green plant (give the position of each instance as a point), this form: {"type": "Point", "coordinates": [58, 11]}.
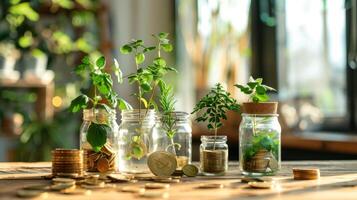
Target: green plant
{"type": "Point", "coordinates": [214, 107]}
{"type": "Point", "coordinates": [147, 79]}
{"type": "Point", "coordinates": [262, 140]}
{"type": "Point", "coordinates": [167, 107]}
{"type": "Point", "coordinates": [256, 90]}
{"type": "Point", "coordinates": [104, 97]}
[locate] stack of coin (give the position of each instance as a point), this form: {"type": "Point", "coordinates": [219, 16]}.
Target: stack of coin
{"type": "Point", "coordinates": [102, 161]}
{"type": "Point", "coordinates": [67, 162]}
{"type": "Point", "coordinates": [306, 174]}
{"type": "Point", "coordinates": [214, 161]}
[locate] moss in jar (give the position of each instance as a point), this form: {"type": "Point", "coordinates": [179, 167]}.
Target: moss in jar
{"type": "Point", "coordinates": [263, 153]}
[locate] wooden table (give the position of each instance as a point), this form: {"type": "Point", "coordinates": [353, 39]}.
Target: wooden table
{"type": "Point", "coordinates": [338, 181]}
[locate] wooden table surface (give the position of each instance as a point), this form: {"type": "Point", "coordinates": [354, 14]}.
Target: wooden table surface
{"type": "Point", "coordinates": [338, 181]}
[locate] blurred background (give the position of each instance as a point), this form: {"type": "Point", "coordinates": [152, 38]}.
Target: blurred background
{"type": "Point", "coordinates": [306, 49]}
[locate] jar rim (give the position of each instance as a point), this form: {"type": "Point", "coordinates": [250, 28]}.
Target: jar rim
{"type": "Point", "coordinates": [218, 138]}
{"type": "Point", "coordinates": [175, 114]}
{"type": "Point", "coordinates": [259, 115]}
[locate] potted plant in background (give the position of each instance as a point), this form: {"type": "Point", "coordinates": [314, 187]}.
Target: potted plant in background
{"type": "Point", "coordinates": [135, 133]}
{"type": "Point", "coordinates": [259, 131]}
{"type": "Point", "coordinates": [99, 130]}
{"type": "Point", "coordinates": [8, 57]}
{"type": "Point", "coordinates": [35, 62]}
{"type": "Point", "coordinates": [214, 150]}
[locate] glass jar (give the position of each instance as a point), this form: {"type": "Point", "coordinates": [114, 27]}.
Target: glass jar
{"type": "Point", "coordinates": [103, 159]}
{"type": "Point", "coordinates": [259, 144]}
{"type": "Point", "coordinates": [173, 133]}
{"type": "Point", "coordinates": [213, 155]}
{"type": "Point", "coordinates": [135, 136]}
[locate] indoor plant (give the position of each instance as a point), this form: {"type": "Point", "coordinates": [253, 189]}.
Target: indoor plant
{"type": "Point", "coordinates": [213, 150]}
{"type": "Point", "coordinates": [99, 130]}
{"type": "Point", "coordinates": [136, 127]}
{"type": "Point", "coordinates": [259, 131]}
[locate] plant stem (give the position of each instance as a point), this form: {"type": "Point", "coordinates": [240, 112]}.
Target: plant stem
{"type": "Point", "coordinates": [215, 138]}
{"type": "Point", "coordinates": [139, 91]}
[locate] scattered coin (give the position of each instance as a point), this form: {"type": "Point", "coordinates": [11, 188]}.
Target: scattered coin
{"type": "Point", "coordinates": [176, 180]}
{"type": "Point", "coordinates": [118, 178]}
{"type": "Point", "coordinates": [260, 185]}
{"type": "Point", "coordinates": [62, 186]}
{"type": "Point", "coordinates": [156, 186]}
{"type": "Point", "coordinates": [63, 180]}
{"type": "Point", "coordinates": [29, 193]}
{"type": "Point", "coordinates": [210, 186]}
{"type": "Point", "coordinates": [76, 192]}
{"type": "Point", "coordinates": [94, 182]}
{"type": "Point", "coordinates": [37, 187]}
{"type": "Point", "coordinates": [154, 194]}
{"type": "Point", "coordinates": [162, 163]}
{"type": "Point", "coordinates": [306, 173]}
{"type": "Point", "coordinates": [132, 189]}
{"type": "Point", "coordinates": [190, 170]}
{"type": "Point", "coordinates": [177, 173]}
{"type": "Point", "coordinates": [143, 176]}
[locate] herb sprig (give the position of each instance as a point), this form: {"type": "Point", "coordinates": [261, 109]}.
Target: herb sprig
{"type": "Point", "coordinates": [256, 90]}
{"type": "Point", "coordinates": [214, 106]}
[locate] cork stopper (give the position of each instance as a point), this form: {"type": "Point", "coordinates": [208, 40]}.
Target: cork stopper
{"type": "Point", "coordinates": [260, 108]}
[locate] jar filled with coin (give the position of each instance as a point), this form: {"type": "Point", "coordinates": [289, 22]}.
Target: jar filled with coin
{"type": "Point", "coordinates": [98, 139]}
{"type": "Point", "coordinates": [259, 140]}
{"type": "Point", "coordinates": [214, 155]}
{"type": "Point", "coordinates": [135, 139]}
{"type": "Point", "coordinates": [173, 133]}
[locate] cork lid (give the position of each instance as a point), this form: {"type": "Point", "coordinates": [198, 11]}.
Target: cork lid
{"type": "Point", "coordinates": [260, 108]}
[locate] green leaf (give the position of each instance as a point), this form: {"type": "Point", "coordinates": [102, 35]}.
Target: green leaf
{"type": "Point", "coordinates": [146, 87]}
{"type": "Point", "coordinates": [148, 49]}
{"type": "Point", "coordinates": [86, 60]}
{"type": "Point", "coordinates": [135, 138]}
{"type": "Point", "coordinates": [252, 85]}
{"type": "Point", "coordinates": [79, 103]}
{"type": "Point", "coordinates": [97, 135]}
{"type": "Point", "coordinates": [137, 152]}
{"type": "Point", "coordinates": [163, 35]}
{"type": "Point", "coordinates": [123, 105]}
{"type": "Point", "coordinates": [100, 62]}
{"type": "Point", "coordinates": [262, 97]}
{"type": "Point", "coordinates": [126, 49]}
{"type": "Point", "coordinates": [260, 90]}
{"type": "Point", "coordinates": [103, 82]}
{"type": "Point", "coordinates": [139, 58]}
{"type": "Point", "coordinates": [167, 47]}
{"type": "Point", "coordinates": [159, 61]}
{"type": "Point", "coordinates": [118, 73]}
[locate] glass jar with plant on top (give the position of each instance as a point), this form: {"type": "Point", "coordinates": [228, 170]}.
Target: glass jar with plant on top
{"type": "Point", "coordinates": [135, 131]}
{"type": "Point", "coordinates": [172, 131]}
{"type": "Point", "coordinates": [212, 109]}
{"type": "Point", "coordinates": [259, 131]}
{"type": "Point", "coordinates": [99, 130]}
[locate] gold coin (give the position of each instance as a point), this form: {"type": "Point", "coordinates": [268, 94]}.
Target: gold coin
{"type": "Point", "coordinates": [210, 186]}
{"type": "Point", "coordinates": [260, 185]}
{"type": "Point", "coordinates": [132, 189]}
{"type": "Point", "coordinates": [154, 194]}
{"type": "Point", "coordinates": [103, 165]}
{"type": "Point", "coordinates": [62, 186]}
{"type": "Point", "coordinates": [63, 180]}
{"type": "Point", "coordinates": [306, 173]}
{"type": "Point", "coordinates": [120, 178]}
{"type": "Point", "coordinates": [162, 163]}
{"type": "Point", "coordinates": [168, 180]}
{"type": "Point", "coordinates": [37, 187]}
{"type": "Point", "coordinates": [29, 193]}
{"type": "Point", "coordinates": [156, 186]}
{"type": "Point", "coordinates": [143, 176]}
{"type": "Point", "coordinates": [94, 182]}
{"type": "Point", "coordinates": [190, 170]}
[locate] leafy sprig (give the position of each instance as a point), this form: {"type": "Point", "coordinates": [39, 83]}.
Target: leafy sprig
{"type": "Point", "coordinates": [213, 108]}
{"type": "Point", "coordinates": [256, 90]}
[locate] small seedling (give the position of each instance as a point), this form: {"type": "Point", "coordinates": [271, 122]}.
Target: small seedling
{"type": "Point", "coordinates": [214, 106]}
{"type": "Point", "coordinates": [256, 90]}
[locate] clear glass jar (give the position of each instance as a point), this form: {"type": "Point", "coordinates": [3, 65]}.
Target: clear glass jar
{"type": "Point", "coordinates": [135, 136]}
{"type": "Point", "coordinates": [213, 155]}
{"type": "Point", "coordinates": [173, 133]}
{"type": "Point", "coordinates": [259, 144]}
{"type": "Point", "coordinates": [105, 159]}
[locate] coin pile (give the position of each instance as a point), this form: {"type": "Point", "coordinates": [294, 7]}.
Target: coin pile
{"type": "Point", "coordinates": [102, 161]}
{"type": "Point", "coordinates": [67, 162]}
{"type": "Point", "coordinates": [306, 174]}
{"type": "Point", "coordinates": [214, 161]}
